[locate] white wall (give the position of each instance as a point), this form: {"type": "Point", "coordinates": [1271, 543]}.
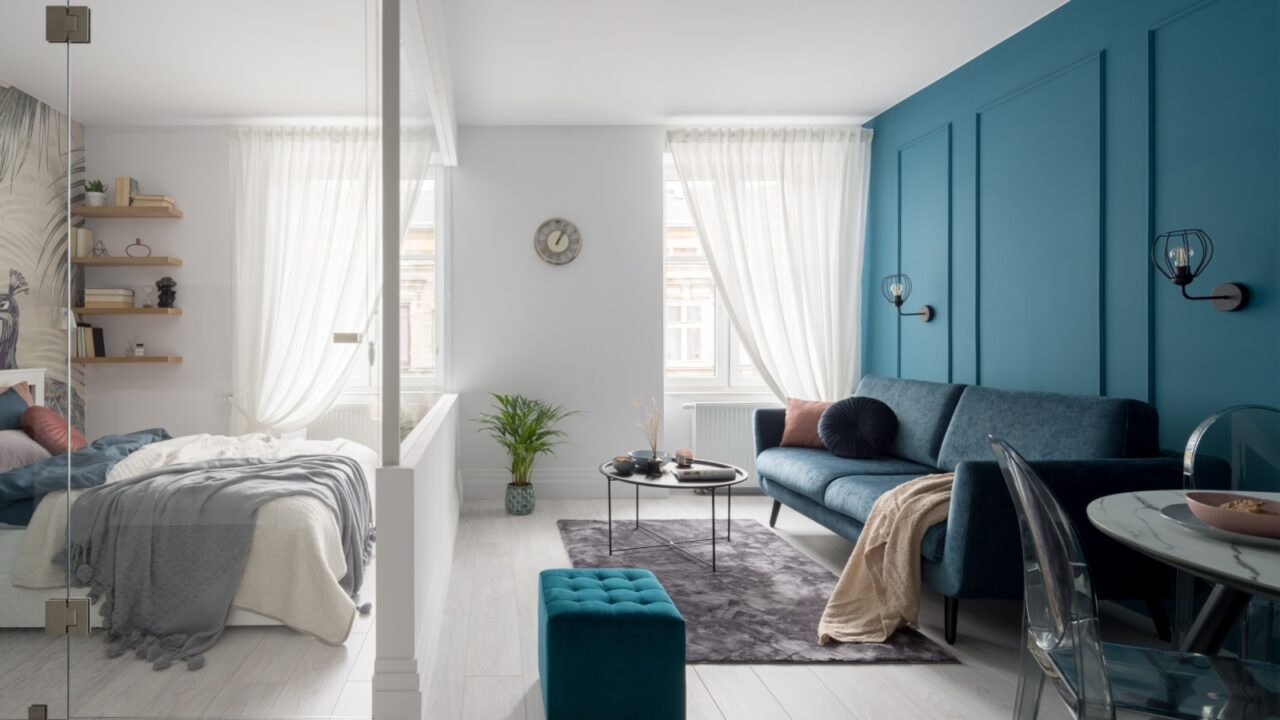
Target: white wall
{"type": "Point", "coordinates": [191, 165]}
{"type": "Point", "coordinates": [587, 335]}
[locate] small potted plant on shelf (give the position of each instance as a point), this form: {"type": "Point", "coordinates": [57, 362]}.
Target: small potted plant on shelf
{"type": "Point", "coordinates": [95, 194]}
{"type": "Point", "coordinates": [526, 429]}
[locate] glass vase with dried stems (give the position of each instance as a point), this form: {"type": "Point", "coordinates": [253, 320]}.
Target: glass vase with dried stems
{"type": "Point", "coordinates": [651, 424]}
{"type": "Point", "coordinates": [527, 429]}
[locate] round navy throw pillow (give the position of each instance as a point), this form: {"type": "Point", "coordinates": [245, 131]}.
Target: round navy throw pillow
{"type": "Point", "coordinates": [858, 427]}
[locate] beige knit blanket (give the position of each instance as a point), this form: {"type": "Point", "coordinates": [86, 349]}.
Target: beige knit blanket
{"type": "Point", "coordinates": [879, 590]}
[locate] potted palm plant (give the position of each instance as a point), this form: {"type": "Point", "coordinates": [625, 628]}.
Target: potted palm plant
{"type": "Point", "coordinates": [526, 429]}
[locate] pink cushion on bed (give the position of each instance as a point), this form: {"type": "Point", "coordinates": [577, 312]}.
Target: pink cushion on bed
{"type": "Point", "coordinates": [23, 390]}
{"type": "Point", "coordinates": [50, 430]}
{"type": "Point", "coordinates": [800, 428]}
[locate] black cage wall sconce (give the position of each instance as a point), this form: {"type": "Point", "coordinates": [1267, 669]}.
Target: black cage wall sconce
{"type": "Point", "coordinates": [1181, 255]}
{"type": "Point", "coordinates": [896, 289]}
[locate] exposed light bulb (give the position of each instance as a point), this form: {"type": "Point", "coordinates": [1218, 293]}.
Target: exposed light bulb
{"type": "Point", "coordinates": [1180, 255]}
{"type": "Point", "coordinates": [896, 289]}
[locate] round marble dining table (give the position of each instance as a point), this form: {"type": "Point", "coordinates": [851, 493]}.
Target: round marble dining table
{"type": "Point", "coordinates": [1238, 571]}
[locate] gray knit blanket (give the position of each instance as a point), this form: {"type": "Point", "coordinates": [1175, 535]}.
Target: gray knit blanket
{"type": "Point", "coordinates": [163, 552]}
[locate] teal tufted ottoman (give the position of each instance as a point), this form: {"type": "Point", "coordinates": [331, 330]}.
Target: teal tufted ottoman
{"type": "Point", "coordinates": [610, 645]}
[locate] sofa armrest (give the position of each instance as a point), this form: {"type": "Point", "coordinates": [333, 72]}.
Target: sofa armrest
{"type": "Point", "coordinates": [768, 424]}
{"type": "Point", "coordinates": [983, 555]}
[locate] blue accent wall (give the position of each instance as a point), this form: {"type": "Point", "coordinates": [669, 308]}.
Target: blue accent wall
{"type": "Point", "coordinates": [1022, 191]}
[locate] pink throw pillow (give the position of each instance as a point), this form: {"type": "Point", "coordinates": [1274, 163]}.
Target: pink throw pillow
{"type": "Point", "coordinates": [801, 426]}
{"type": "Point", "coordinates": [50, 430]}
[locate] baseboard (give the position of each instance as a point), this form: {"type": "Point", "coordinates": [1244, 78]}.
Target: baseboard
{"type": "Point", "coordinates": [492, 483]}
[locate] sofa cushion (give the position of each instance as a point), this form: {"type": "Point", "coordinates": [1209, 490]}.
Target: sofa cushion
{"type": "Point", "coordinates": [800, 429]}
{"type": "Point", "coordinates": [923, 410]}
{"type": "Point", "coordinates": [1048, 426]}
{"type": "Point", "coordinates": [808, 472]}
{"type": "Point", "coordinates": [858, 427]}
{"type": "Point", "coordinates": [855, 495]}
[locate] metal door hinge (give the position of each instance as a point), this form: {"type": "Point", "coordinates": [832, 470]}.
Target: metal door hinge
{"type": "Point", "coordinates": [64, 24]}
{"type": "Point", "coordinates": [66, 616]}
{"type": "Point", "coordinates": [38, 712]}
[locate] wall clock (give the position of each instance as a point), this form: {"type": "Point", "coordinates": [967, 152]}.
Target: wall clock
{"type": "Point", "coordinates": [557, 241]}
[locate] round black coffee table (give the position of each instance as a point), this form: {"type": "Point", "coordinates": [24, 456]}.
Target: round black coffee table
{"type": "Point", "coordinates": [668, 481]}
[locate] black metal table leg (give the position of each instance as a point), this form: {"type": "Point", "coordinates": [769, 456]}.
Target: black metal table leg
{"type": "Point", "coordinates": [713, 529]}
{"type": "Point", "coordinates": [637, 507]}
{"type": "Point", "coordinates": [728, 521]}
{"type": "Point", "coordinates": [609, 484]}
{"type": "Point", "coordinates": [1214, 622]}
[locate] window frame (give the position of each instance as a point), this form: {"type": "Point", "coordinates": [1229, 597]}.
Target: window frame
{"type": "Point", "coordinates": [727, 377]}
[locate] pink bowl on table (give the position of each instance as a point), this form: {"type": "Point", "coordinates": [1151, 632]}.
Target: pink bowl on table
{"type": "Point", "coordinates": [1204, 505]}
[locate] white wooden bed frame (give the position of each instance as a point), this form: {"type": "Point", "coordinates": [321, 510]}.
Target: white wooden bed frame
{"type": "Point", "coordinates": [23, 607]}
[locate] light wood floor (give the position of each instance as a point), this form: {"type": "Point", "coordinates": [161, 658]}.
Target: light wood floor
{"type": "Point", "coordinates": [489, 664]}
{"type": "Point", "coordinates": [263, 672]}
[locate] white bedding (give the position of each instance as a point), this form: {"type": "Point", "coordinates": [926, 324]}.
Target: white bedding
{"type": "Point", "coordinates": [295, 563]}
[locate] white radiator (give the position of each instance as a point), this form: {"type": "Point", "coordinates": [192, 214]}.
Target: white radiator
{"type": "Point", "coordinates": [352, 421]}
{"type": "Point", "coordinates": [723, 431]}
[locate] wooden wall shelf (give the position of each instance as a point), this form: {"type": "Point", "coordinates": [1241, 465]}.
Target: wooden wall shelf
{"type": "Point", "coordinates": [127, 311]}
{"type": "Point", "coordinates": [146, 359]}
{"type": "Point", "coordinates": [144, 213]}
{"type": "Point", "coordinates": [156, 261]}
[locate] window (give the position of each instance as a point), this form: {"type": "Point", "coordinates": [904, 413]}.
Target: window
{"type": "Point", "coordinates": [419, 334]}
{"type": "Point", "coordinates": [418, 291]}
{"type": "Point", "coordinates": [701, 350]}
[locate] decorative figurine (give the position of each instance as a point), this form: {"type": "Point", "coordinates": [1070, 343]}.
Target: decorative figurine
{"type": "Point", "coordinates": [684, 458]}
{"type": "Point", "coordinates": [167, 293]}
{"type": "Point", "coordinates": [99, 250]}
{"type": "Point", "coordinates": [143, 249]}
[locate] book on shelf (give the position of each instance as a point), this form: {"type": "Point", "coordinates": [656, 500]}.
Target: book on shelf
{"type": "Point", "coordinates": [83, 245]}
{"type": "Point", "coordinates": [108, 295]}
{"type": "Point", "coordinates": [99, 343]}
{"type": "Point", "coordinates": [107, 305]}
{"type": "Point", "coordinates": [109, 291]}
{"type": "Point", "coordinates": [126, 189]}
{"type": "Point", "coordinates": [153, 201]}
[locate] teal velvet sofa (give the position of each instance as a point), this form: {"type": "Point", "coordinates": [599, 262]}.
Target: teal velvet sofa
{"type": "Point", "coordinates": [1084, 447]}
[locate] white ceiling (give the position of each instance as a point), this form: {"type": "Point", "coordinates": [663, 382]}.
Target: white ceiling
{"type": "Point", "coordinates": [659, 61]}
{"type": "Point", "coordinates": [162, 61]}
{"type": "Point", "coordinates": [512, 61]}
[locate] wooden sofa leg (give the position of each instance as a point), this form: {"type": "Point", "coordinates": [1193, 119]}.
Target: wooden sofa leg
{"type": "Point", "coordinates": [950, 609]}
{"type": "Point", "coordinates": [773, 514]}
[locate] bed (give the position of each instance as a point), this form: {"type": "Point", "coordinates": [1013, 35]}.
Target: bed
{"type": "Point", "coordinates": [294, 565]}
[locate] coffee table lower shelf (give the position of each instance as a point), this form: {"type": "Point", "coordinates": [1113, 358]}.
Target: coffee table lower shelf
{"type": "Point", "coordinates": [677, 545]}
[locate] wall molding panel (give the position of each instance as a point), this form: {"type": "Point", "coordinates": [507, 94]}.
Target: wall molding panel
{"type": "Point", "coordinates": [1067, 148]}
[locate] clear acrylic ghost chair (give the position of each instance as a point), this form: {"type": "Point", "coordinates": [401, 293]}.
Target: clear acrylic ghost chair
{"type": "Point", "coordinates": [1236, 449]}
{"type": "Point", "coordinates": [1062, 639]}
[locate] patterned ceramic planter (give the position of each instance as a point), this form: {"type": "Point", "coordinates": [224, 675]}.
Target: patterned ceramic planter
{"type": "Point", "coordinates": [519, 499]}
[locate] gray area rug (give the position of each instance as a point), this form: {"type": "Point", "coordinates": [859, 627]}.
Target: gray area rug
{"type": "Point", "coordinates": [761, 606]}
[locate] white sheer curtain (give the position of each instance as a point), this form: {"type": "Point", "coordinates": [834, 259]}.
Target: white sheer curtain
{"type": "Point", "coordinates": [306, 258]}
{"type": "Point", "coordinates": [782, 216]}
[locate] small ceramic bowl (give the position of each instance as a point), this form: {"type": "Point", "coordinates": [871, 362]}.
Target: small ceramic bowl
{"type": "Point", "coordinates": [623, 465]}
{"type": "Point", "coordinates": [1206, 507]}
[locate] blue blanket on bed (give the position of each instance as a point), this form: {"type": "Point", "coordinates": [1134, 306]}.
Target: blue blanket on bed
{"type": "Point", "coordinates": [22, 488]}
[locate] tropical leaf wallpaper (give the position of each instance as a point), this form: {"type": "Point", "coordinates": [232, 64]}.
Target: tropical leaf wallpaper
{"type": "Point", "coordinates": [33, 242]}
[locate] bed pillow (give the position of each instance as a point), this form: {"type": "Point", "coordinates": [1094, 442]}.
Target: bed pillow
{"type": "Point", "coordinates": [17, 450]}
{"type": "Point", "coordinates": [48, 428]}
{"type": "Point", "coordinates": [800, 428]}
{"type": "Point", "coordinates": [22, 389]}
{"type": "Point", "coordinates": [858, 427]}
{"type": "Point", "coordinates": [12, 405]}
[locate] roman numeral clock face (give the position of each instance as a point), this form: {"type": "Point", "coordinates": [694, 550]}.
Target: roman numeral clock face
{"type": "Point", "coordinates": [557, 241]}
